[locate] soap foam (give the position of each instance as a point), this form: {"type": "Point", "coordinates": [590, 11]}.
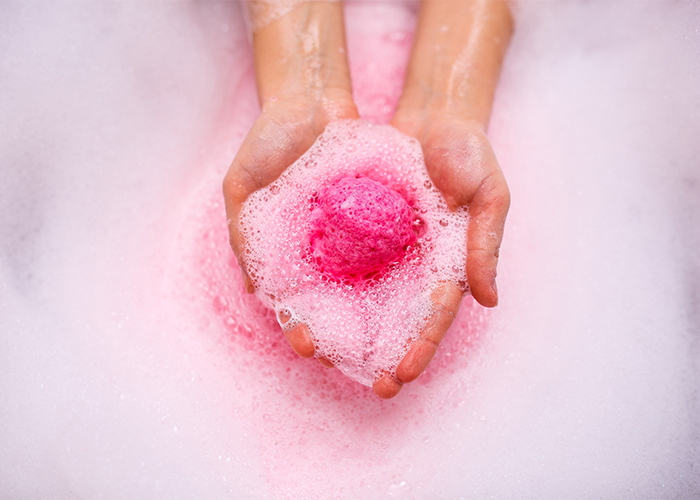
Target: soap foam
{"type": "Point", "coordinates": [351, 240]}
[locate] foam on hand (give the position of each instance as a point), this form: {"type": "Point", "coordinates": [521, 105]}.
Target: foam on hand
{"type": "Point", "coordinates": [351, 240]}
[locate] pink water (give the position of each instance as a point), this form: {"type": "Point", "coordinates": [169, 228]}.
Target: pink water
{"type": "Point", "coordinates": [133, 365]}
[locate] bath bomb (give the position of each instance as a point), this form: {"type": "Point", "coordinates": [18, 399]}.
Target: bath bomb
{"type": "Point", "coordinates": [359, 226]}
{"type": "Point", "coordinates": [351, 240]}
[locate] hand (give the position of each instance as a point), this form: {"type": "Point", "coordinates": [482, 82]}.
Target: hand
{"type": "Point", "coordinates": [462, 165]}
{"type": "Point", "coordinates": [302, 91]}
{"type": "Point", "coordinates": [302, 86]}
{"type": "Point", "coordinates": [446, 103]}
{"type": "Point", "coordinates": [282, 133]}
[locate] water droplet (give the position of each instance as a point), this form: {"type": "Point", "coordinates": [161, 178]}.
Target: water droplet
{"type": "Point", "coordinates": [283, 316]}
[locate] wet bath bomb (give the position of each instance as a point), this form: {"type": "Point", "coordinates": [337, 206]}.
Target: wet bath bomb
{"type": "Point", "coordinates": [359, 226]}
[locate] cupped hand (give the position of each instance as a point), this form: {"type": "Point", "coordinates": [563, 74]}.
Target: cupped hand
{"type": "Point", "coordinates": [286, 128]}
{"type": "Point", "coordinates": [303, 81]}
{"type": "Point", "coordinates": [462, 164]}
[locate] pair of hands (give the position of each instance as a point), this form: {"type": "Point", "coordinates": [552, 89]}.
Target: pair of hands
{"type": "Point", "coordinates": [459, 159]}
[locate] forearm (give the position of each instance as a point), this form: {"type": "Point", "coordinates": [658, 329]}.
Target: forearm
{"type": "Point", "coordinates": [303, 82]}
{"type": "Point", "coordinates": [301, 56]}
{"type": "Point", "coordinates": [456, 59]}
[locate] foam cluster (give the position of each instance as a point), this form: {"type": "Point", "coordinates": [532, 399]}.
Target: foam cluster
{"type": "Point", "coordinates": [351, 240]}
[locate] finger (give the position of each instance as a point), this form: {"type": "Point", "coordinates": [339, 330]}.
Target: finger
{"type": "Point", "coordinates": [464, 167]}
{"type": "Point", "coordinates": [488, 212]}
{"type": "Point", "coordinates": [446, 300]}
{"type": "Point", "coordinates": [247, 282]}
{"type": "Point", "coordinates": [326, 362]}
{"type": "Point", "coordinates": [300, 340]}
{"type": "Point", "coordinates": [387, 387]}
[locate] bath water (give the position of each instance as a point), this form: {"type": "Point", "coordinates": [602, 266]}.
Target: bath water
{"type": "Point", "coordinates": [133, 365]}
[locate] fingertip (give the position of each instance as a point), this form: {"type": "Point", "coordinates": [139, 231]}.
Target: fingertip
{"type": "Point", "coordinates": [300, 340]}
{"type": "Point", "coordinates": [248, 283]}
{"type": "Point", "coordinates": [326, 362]}
{"type": "Point", "coordinates": [481, 274]}
{"type": "Point", "coordinates": [416, 361]}
{"type": "Point", "coordinates": [485, 297]}
{"type": "Point", "coordinates": [446, 300]}
{"type": "Point", "coordinates": [386, 387]}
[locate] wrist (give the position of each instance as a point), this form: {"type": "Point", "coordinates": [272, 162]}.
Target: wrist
{"type": "Point", "coordinates": [423, 114]}
{"type": "Point", "coordinates": [301, 57]}
{"type": "Point", "coordinates": [420, 103]}
{"type": "Point", "coordinates": [456, 58]}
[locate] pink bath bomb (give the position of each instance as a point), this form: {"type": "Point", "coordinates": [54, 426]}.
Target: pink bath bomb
{"type": "Point", "coordinates": [359, 226]}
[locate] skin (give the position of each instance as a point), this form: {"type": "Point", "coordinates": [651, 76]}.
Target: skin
{"type": "Point", "coordinates": [303, 82]}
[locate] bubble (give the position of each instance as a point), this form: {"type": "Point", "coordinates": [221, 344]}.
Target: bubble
{"type": "Point", "coordinates": [283, 317]}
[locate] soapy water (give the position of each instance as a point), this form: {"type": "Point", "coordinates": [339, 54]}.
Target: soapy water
{"type": "Point", "coordinates": [133, 364]}
{"type": "Point", "coordinates": [351, 241]}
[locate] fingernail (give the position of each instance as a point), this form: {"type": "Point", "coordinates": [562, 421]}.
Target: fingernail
{"type": "Point", "coordinates": [494, 289]}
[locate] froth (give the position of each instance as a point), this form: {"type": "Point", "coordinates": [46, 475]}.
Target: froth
{"type": "Point", "coordinates": [362, 325]}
